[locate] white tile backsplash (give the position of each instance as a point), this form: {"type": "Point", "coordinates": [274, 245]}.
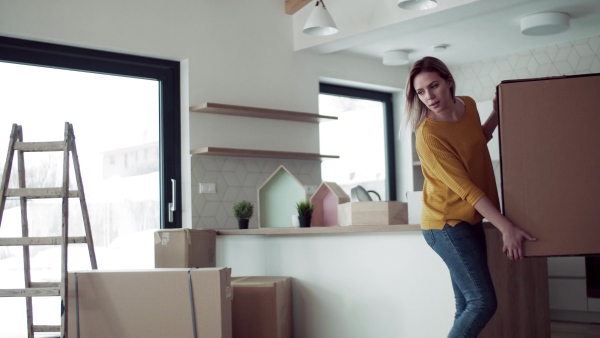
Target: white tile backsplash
{"type": "Point", "coordinates": [236, 179]}
{"type": "Point", "coordinates": [480, 78]}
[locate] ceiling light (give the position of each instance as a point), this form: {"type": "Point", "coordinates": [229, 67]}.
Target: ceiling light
{"type": "Point", "coordinates": [545, 23]}
{"type": "Point", "coordinates": [417, 4]}
{"type": "Point", "coordinates": [395, 58]}
{"type": "Point", "coordinates": [320, 21]}
{"type": "Point", "coordinates": [439, 48]}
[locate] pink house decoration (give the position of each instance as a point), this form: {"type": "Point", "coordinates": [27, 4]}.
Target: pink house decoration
{"type": "Point", "coordinates": [325, 200]}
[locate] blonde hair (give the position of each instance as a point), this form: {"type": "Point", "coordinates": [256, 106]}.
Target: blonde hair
{"type": "Point", "coordinates": [415, 110]}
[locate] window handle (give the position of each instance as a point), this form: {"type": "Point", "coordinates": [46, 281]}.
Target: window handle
{"type": "Point", "coordinates": [173, 204]}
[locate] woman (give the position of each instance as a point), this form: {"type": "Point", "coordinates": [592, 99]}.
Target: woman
{"type": "Point", "coordinates": [459, 189]}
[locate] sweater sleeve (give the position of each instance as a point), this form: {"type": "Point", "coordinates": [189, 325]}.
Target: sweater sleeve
{"type": "Point", "coordinates": [445, 166]}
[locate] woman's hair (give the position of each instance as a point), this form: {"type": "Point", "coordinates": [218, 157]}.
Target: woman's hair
{"type": "Point", "coordinates": [415, 110]}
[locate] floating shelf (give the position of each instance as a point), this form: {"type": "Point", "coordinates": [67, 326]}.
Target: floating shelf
{"type": "Point", "coordinates": [260, 153]}
{"type": "Point", "coordinates": [227, 109]}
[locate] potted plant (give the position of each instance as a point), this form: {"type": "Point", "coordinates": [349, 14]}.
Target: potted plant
{"type": "Point", "coordinates": [243, 211]}
{"type": "Point", "coordinates": [305, 210]}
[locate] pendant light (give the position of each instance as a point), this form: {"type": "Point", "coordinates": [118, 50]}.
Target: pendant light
{"type": "Point", "coordinates": [419, 5]}
{"type": "Point", "coordinates": [320, 22]}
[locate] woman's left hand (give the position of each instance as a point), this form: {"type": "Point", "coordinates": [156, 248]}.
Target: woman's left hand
{"type": "Point", "coordinates": [513, 238]}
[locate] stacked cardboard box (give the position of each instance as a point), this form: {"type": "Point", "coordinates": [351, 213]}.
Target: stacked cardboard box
{"type": "Point", "coordinates": [185, 248]}
{"type": "Point", "coordinates": [150, 303]}
{"type": "Point", "coordinates": [262, 307]}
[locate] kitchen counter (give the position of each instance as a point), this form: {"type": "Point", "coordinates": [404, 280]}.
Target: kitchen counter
{"type": "Point", "coordinates": [383, 281]}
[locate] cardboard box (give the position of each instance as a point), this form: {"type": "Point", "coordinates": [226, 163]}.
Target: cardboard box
{"type": "Point", "coordinates": [373, 213]}
{"type": "Point", "coordinates": [262, 307]}
{"type": "Point", "coordinates": [150, 303]}
{"type": "Point", "coordinates": [185, 248]}
{"type": "Point", "coordinates": [549, 147]}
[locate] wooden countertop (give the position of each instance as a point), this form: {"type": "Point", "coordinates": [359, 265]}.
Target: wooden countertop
{"type": "Point", "coordinates": [321, 230]}
{"type": "Point", "coordinates": [327, 230]}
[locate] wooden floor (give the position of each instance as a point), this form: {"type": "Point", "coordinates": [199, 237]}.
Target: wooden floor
{"type": "Point", "coordinates": [574, 330]}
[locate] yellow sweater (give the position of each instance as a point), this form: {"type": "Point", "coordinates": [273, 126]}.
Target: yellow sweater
{"type": "Point", "coordinates": [457, 168]}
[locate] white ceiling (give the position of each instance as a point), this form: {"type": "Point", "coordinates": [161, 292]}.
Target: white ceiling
{"type": "Point", "coordinates": [472, 29]}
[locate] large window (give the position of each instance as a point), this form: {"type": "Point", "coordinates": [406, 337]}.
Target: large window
{"type": "Point", "coordinates": [362, 136]}
{"type": "Point", "coordinates": [125, 115]}
{"type": "Point", "coordinates": [163, 73]}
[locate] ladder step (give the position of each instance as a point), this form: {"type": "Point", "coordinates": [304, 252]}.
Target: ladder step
{"type": "Point", "coordinates": [46, 328]}
{"type": "Point", "coordinates": [45, 285]}
{"type": "Point", "coordinates": [24, 241]}
{"type": "Point", "coordinates": [40, 193]}
{"type": "Point", "coordinates": [30, 292]}
{"type": "Point", "coordinates": [40, 146]}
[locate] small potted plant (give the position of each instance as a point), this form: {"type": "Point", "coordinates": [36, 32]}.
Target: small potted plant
{"type": "Point", "coordinates": [243, 211]}
{"type": "Point", "coordinates": [305, 210]}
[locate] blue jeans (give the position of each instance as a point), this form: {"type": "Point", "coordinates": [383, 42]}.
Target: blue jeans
{"type": "Point", "coordinates": [464, 251]}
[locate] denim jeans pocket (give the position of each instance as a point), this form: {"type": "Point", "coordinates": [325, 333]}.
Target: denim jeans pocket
{"type": "Point", "coordinates": [429, 237]}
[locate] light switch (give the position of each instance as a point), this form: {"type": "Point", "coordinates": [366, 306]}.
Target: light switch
{"type": "Point", "coordinates": [208, 188]}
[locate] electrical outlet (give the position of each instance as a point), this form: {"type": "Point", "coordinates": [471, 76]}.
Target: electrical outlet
{"type": "Point", "coordinates": [208, 188]}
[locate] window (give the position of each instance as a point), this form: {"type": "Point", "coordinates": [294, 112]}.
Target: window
{"type": "Point", "coordinates": [87, 60]}
{"type": "Point", "coordinates": [363, 137]}
{"type": "Point", "coordinates": [126, 201]}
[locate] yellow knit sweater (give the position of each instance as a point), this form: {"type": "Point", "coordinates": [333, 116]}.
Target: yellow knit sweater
{"type": "Point", "coordinates": [457, 168]}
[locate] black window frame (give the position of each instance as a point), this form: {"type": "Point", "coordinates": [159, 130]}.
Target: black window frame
{"type": "Point", "coordinates": [386, 100]}
{"type": "Point", "coordinates": [45, 54]}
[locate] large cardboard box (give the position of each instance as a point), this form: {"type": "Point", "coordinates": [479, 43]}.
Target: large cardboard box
{"type": "Point", "coordinates": [373, 213]}
{"type": "Point", "coordinates": [262, 307]}
{"type": "Point", "coordinates": [150, 303]}
{"type": "Point", "coordinates": [185, 248]}
{"type": "Point", "coordinates": [550, 161]}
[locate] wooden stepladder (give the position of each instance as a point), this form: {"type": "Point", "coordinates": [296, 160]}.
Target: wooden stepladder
{"type": "Point", "coordinates": [33, 289]}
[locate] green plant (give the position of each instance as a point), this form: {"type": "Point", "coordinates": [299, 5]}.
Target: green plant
{"type": "Point", "coordinates": [243, 209]}
{"type": "Point", "coordinates": [305, 208]}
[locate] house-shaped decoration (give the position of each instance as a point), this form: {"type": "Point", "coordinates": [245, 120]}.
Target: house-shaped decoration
{"type": "Point", "coordinates": [325, 200]}
{"type": "Point", "coordinates": [277, 199]}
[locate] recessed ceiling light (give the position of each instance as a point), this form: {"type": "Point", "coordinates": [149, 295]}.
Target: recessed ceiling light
{"type": "Point", "coordinates": [419, 5]}
{"type": "Point", "coordinates": [545, 23]}
{"type": "Point", "coordinates": [439, 48]}
{"type": "Point", "coordinates": [395, 58]}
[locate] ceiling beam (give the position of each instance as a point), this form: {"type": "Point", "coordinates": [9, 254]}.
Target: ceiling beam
{"type": "Point", "coordinates": [292, 6]}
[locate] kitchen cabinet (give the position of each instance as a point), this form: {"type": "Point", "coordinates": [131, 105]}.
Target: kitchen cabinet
{"type": "Point", "coordinates": [567, 283]}
{"type": "Point", "coordinates": [569, 290]}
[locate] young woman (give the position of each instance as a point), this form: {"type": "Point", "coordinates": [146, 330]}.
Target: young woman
{"type": "Point", "coordinates": [459, 190]}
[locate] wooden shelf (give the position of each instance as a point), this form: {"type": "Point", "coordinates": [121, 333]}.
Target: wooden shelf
{"type": "Point", "coordinates": [322, 230]}
{"type": "Point", "coordinates": [260, 153]}
{"type": "Point", "coordinates": [227, 109]}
